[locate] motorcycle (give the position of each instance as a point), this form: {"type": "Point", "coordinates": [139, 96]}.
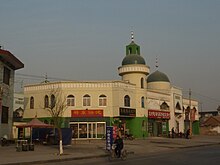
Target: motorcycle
{"type": "Point", "coordinates": [129, 137]}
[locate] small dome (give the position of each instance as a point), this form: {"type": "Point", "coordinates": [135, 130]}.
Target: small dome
{"type": "Point", "coordinates": [157, 76]}
{"type": "Point", "coordinates": [133, 59]}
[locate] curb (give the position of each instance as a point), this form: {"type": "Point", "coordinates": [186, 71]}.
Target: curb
{"type": "Point", "coordinates": [57, 160]}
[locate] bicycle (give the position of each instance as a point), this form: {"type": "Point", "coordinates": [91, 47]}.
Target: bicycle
{"type": "Point", "coordinates": [112, 154]}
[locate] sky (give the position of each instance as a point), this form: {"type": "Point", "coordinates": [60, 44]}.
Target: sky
{"type": "Point", "coordinates": [86, 40]}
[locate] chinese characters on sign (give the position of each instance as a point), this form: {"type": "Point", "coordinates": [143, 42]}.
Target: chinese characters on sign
{"type": "Point", "coordinates": [109, 137]}
{"type": "Point", "coordinates": [87, 113]}
{"type": "Point", "coordinates": [127, 112]}
{"type": "Point", "coordinates": [154, 114]}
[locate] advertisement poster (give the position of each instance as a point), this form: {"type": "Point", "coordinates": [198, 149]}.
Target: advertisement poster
{"type": "Point", "coordinates": [109, 137]}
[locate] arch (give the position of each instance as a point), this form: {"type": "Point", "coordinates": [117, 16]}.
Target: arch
{"type": "Point", "coordinates": [86, 100]}
{"type": "Point", "coordinates": [46, 101]}
{"type": "Point", "coordinates": [127, 101]}
{"type": "Point", "coordinates": [142, 102]}
{"type": "Point", "coordinates": [52, 101]}
{"type": "Point", "coordinates": [70, 100]}
{"type": "Point", "coordinates": [178, 107]}
{"type": "Point", "coordinates": [102, 100]}
{"type": "Point", "coordinates": [32, 102]}
{"type": "Point", "coordinates": [130, 50]}
{"type": "Point", "coordinates": [142, 82]}
{"type": "Point", "coordinates": [165, 106]}
{"type": "Point", "coordinates": [137, 50]}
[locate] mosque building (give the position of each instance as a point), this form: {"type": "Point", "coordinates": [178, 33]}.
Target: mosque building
{"type": "Point", "coordinates": [141, 103]}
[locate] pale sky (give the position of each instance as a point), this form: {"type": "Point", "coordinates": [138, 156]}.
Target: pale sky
{"type": "Point", "coordinates": [86, 39]}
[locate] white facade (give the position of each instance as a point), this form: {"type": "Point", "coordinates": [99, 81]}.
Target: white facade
{"type": "Point", "coordinates": [142, 107]}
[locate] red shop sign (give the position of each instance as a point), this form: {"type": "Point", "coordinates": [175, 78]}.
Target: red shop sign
{"type": "Point", "coordinates": [154, 114]}
{"type": "Point", "coordinates": [87, 113]}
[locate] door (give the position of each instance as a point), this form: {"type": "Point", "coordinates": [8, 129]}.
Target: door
{"type": "Point", "coordinates": [92, 130]}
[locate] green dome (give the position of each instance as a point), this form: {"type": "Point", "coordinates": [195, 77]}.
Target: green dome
{"type": "Point", "coordinates": [157, 76]}
{"type": "Point", "coordinates": [133, 59]}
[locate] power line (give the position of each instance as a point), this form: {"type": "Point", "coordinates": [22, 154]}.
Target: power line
{"type": "Point", "coordinates": [204, 96]}
{"type": "Point", "coordinates": [40, 77]}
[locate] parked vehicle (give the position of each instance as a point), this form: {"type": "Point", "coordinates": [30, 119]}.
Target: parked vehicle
{"type": "Point", "coordinates": [129, 137]}
{"type": "Point", "coordinates": [4, 141]}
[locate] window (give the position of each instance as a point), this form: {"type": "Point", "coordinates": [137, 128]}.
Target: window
{"type": "Point", "coordinates": [46, 102]}
{"type": "Point", "coordinates": [5, 114]}
{"type": "Point", "coordinates": [137, 50]}
{"type": "Point", "coordinates": [53, 101]}
{"type": "Point", "coordinates": [142, 102]}
{"type": "Point", "coordinates": [130, 51]}
{"type": "Point", "coordinates": [6, 76]}
{"type": "Point", "coordinates": [178, 106]}
{"type": "Point", "coordinates": [164, 106]}
{"type": "Point", "coordinates": [127, 101]}
{"type": "Point", "coordinates": [86, 100]}
{"type": "Point", "coordinates": [142, 82]}
{"type": "Point", "coordinates": [70, 100]}
{"type": "Point", "coordinates": [32, 102]}
{"type": "Point", "coordinates": [102, 100]}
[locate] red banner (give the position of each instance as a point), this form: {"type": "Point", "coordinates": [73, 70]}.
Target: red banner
{"type": "Point", "coordinates": [155, 114]}
{"type": "Point", "coordinates": [87, 113]}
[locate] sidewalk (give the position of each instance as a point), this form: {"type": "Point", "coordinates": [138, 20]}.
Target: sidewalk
{"type": "Point", "coordinates": [96, 148]}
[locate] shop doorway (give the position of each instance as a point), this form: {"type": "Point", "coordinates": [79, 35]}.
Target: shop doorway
{"type": "Point", "coordinates": [159, 129]}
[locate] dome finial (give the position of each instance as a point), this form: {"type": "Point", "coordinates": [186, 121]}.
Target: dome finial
{"type": "Point", "coordinates": [157, 63]}
{"type": "Point", "coordinates": [132, 36]}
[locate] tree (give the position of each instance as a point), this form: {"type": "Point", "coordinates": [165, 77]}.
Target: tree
{"type": "Point", "coordinates": [56, 108]}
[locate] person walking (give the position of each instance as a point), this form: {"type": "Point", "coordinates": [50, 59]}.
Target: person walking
{"type": "Point", "coordinates": [187, 134]}
{"type": "Point", "coordinates": [173, 132]}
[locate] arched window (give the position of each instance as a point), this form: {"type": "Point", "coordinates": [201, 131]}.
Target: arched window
{"type": "Point", "coordinates": [142, 102]}
{"type": "Point", "coordinates": [70, 100]}
{"type": "Point", "coordinates": [137, 50]}
{"type": "Point", "coordinates": [164, 105]}
{"type": "Point", "coordinates": [46, 101]}
{"type": "Point", "coordinates": [130, 50]}
{"type": "Point", "coordinates": [32, 102]}
{"type": "Point", "coordinates": [86, 100]}
{"type": "Point", "coordinates": [178, 107]}
{"type": "Point", "coordinates": [53, 101]}
{"type": "Point", "coordinates": [142, 82]}
{"type": "Point", "coordinates": [127, 101]}
{"type": "Point", "coordinates": [102, 100]}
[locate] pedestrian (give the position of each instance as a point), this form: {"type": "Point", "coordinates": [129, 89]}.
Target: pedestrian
{"type": "Point", "coordinates": [187, 133]}
{"type": "Point", "coordinates": [119, 146]}
{"type": "Point", "coordinates": [173, 132]}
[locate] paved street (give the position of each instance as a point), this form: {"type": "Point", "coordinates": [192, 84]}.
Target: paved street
{"type": "Point", "coordinates": [86, 150]}
{"type": "Point", "coordinates": [200, 155]}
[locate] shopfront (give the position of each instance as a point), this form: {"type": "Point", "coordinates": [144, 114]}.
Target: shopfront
{"type": "Point", "coordinates": [123, 122]}
{"type": "Point", "coordinates": [87, 124]}
{"type": "Point", "coordinates": [158, 122]}
{"type": "Point", "coordinates": [88, 130]}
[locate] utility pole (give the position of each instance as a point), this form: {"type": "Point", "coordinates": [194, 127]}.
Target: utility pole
{"type": "Point", "coordinates": [190, 113]}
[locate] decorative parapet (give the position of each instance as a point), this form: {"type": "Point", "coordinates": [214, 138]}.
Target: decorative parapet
{"type": "Point", "coordinates": [92, 84]}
